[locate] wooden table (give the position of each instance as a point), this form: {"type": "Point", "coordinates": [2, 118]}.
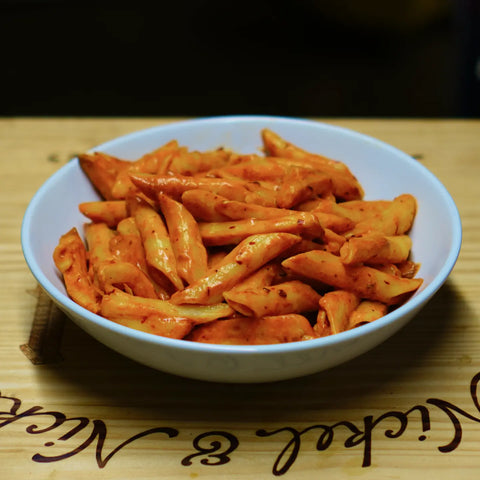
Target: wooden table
{"type": "Point", "coordinates": [92, 413]}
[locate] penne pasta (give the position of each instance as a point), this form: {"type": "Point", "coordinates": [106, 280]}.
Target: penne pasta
{"type": "Point", "coordinates": [396, 219]}
{"type": "Point", "coordinates": [102, 170]}
{"type": "Point", "coordinates": [375, 248]}
{"type": "Point", "coordinates": [129, 248]}
{"type": "Point", "coordinates": [190, 252]}
{"type": "Point", "coordinates": [278, 147]}
{"type": "Point", "coordinates": [70, 258]}
{"type": "Point", "coordinates": [227, 233]}
{"type": "Point", "coordinates": [263, 277]}
{"type": "Point", "coordinates": [109, 212]}
{"type": "Point", "coordinates": [125, 275]}
{"type": "Point", "coordinates": [366, 282]}
{"type": "Point", "coordinates": [174, 327]}
{"type": "Point", "coordinates": [128, 226]}
{"type": "Point", "coordinates": [220, 247]}
{"type": "Point", "coordinates": [335, 310]}
{"type": "Point", "coordinates": [234, 210]}
{"type": "Point", "coordinates": [119, 305]}
{"type": "Point", "coordinates": [408, 268]}
{"type": "Point", "coordinates": [175, 186]}
{"type": "Point", "coordinates": [300, 185]}
{"type": "Point", "coordinates": [98, 237]}
{"type": "Point", "coordinates": [367, 311]}
{"type": "Point", "coordinates": [156, 162]}
{"type": "Point", "coordinates": [156, 241]}
{"type": "Point", "coordinates": [202, 204]}
{"type": "Point", "coordinates": [191, 163]}
{"type": "Point", "coordinates": [247, 257]}
{"type": "Point", "coordinates": [355, 210]}
{"type": "Point", "coordinates": [252, 168]}
{"type": "Point", "coordinates": [254, 331]}
{"type": "Point", "coordinates": [344, 184]}
{"type": "Point", "coordinates": [279, 299]}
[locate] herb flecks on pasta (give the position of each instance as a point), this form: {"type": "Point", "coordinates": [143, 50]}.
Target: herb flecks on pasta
{"type": "Point", "coordinates": [221, 247]}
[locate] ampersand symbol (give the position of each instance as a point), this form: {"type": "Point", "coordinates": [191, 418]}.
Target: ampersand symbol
{"type": "Point", "coordinates": [215, 449]}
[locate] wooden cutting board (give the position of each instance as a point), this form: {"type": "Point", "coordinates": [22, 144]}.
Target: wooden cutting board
{"type": "Point", "coordinates": [72, 408]}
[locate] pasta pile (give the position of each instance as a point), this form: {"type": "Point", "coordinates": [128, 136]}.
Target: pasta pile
{"type": "Point", "coordinates": [221, 247]}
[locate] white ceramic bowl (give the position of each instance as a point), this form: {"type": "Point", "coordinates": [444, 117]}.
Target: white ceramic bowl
{"type": "Point", "coordinates": [384, 172]}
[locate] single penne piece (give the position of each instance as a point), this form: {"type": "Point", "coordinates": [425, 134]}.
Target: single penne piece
{"type": "Point", "coordinates": [344, 184]}
{"type": "Point", "coordinates": [375, 248]}
{"type": "Point", "coordinates": [156, 241]}
{"type": "Point", "coordinates": [408, 268]}
{"type": "Point", "coordinates": [277, 146]}
{"type": "Point", "coordinates": [389, 268]}
{"type": "Point", "coordinates": [128, 247]}
{"type": "Point", "coordinates": [263, 277]}
{"type": "Point", "coordinates": [359, 248]}
{"type": "Point", "coordinates": [128, 226]}
{"type": "Point", "coordinates": [247, 257]}
{"type": "Point", "coordinates": [367, 311]}
{"type": "Point", "coordinates": [202, 204]}
{"type": "Point", "coordinates": [70, 258]}
{"type": "Point", "coordinates": [314, 204]}
{"type": "Point", "coordinates": [328, 205]}
{"type": "Point", "coordinates": [162, 326]}
{"type": "Point", "coordinates": [252, 168]}
{"type": "Point", "coordinates": [279, 299]}
{"type": "Point", "coordinates": [335, 223]}
{"type": "Point", "coordinates": [234, 210]}
{"type": "Point", "coordinates": [102, 170]}
{"type": "Point", "coordinates": [228, 233]}
{"type": "Point", "coordinates": [366, 282]}
{"type": "Point", "coordinates": [396, 219]}
{"type": "Point", "coordinates": [322, 326]}
{"type": "Point", "coordinates": [125, 274]}
{"type": "Point", "coordinates": [184, 233]}
{"type": "Point", "coordinates": [261, 193]}
{"type": "Point", "coordinates": [301, 184]}
{"type": "Point", "coordinates": [109, 211]}
{"type": "Point", "coordinates": [175, 186]}
{"type": "Point", "coordinates": [403, 210]}
{"type": "Point", "coordinates": [254, 331]}
{"type": "Point", "coordinates": [120, 305]}
{"type": "Point", "coordinates": [156, 162]}
{"type": "Point", "coordinates": [123, 186]}
{"type": "Point", "coordinates": [98, 237]}
{"type": "Point", "coordinates": [338, 305]}
{"type": "Point", "coordinates": [193, 162]}
{"type": "Point", "coordinates": [300, 247]}
{"type": "Point", "coordinates": [333, 241]}
{"type": "Point", "coordinates": [355, 210]}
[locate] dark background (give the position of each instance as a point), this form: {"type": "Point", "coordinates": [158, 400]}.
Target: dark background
{"type": "Point", "coordinates": [410, 58]}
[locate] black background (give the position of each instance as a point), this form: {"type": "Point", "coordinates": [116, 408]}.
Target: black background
{"type": "Point", "coordinates": [200, 58]}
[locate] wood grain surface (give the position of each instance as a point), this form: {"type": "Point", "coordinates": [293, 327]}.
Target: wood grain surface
{"type": "Point", "coordinates": [407, 409]}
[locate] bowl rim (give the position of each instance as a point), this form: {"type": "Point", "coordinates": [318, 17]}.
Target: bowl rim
{"type": "Point", "coordinates": [416, 301]}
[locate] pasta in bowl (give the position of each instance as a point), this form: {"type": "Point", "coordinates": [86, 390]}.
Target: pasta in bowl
{"type": "Point", "coordinates": [242, 249]}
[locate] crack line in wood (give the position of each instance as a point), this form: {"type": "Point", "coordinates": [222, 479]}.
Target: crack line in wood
{"type": "Point", "coordinates": [46, 333]}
